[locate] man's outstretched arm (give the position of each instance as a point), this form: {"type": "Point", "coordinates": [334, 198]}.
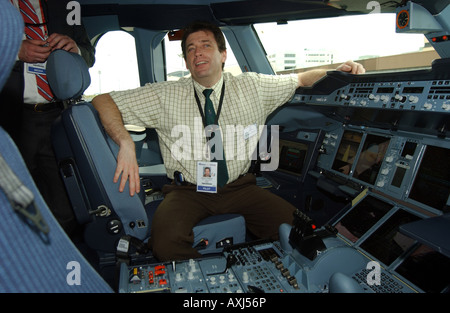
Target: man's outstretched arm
{"type": "Point", "coordinates": [127, 165]}
{"type": "Point", "coordinates": [308, 78]}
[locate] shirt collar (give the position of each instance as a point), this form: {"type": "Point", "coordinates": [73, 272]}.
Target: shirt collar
{"type": "Point", "coordinates": [217, 88]}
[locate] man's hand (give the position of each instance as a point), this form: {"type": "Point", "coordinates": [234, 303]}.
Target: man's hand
{"type": "Point", "coordinates": [351, 67]}
{"type": "Point", "coordinates": [37, 51]}
{"type": "Point", "coordinates": [34, 51]}
{"type": "Point", "coordinates": [128, 167]}
{"type": "Point", "coordinates": [58, 41]}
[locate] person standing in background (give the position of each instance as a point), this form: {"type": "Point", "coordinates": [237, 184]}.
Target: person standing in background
{"type": "Point", "coordinates": [27, 104]}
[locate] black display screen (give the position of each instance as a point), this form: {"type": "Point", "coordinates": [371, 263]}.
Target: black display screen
{"type": "Point", "coordinates": [387, 243]}
{"type": "Point", "coordinates": [292, 156]}
{"type": "Point", "coordinates": [428, 269]}
{"type": "Point", "coordinates": [346, 152]}
{"type": "Point", "coordinates": [370, 159]}
{"type": "Point", "coordinates": [432, 183]}
{"type": "Point", "coordinates": [362, 217]}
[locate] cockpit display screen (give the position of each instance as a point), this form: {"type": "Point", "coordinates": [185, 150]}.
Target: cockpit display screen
{"type": "Point", "coordinates": [369, 161]}
{"type": "Point", "coordinates": [362, 217]}
{"type": "Point", "coordinates": [432, 183]}
{"type": "Point", "coordinates": [346, 152]}
{"type": "Point", "coordinates": [428, 269]}
{"type": "Point", "coordinates": [292, 157]}
{"type": "Point", "coordinates": [387, 243]}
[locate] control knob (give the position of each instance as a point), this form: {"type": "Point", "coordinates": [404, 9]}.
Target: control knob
{"type": "Point", "coordinates": [446, 106]}
{"type": "Point", "coordinates": [400, 98]}
{"type": "Point", "coordinates": [413, 99]}
{"type": "Point", "coordinates": [385, 99]}
{"type": "Point", "coordinates": [245, 277]}
{"type": "Point", "coordinates": [345, 97]}
{"type": "Point", "coordinates": [373, 97]}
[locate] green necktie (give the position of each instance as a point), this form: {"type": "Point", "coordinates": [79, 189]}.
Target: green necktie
{"type": "Point", "coordinates": [210, 116]}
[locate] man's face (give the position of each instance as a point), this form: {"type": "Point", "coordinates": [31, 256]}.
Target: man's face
{"type": "Point", "coordinates": [203, 58]}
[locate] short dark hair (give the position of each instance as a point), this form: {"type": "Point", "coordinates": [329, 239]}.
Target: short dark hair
{"type": "Point", "coordinates": [205, 26]}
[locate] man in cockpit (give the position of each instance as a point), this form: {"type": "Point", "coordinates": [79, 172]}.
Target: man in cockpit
{"type": "Point", "coordinates": [242, 103]}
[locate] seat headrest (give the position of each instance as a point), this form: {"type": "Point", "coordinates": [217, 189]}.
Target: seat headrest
{"type": "Point", "coordinates": [12, 27]}
{"type": "Point", "coordinates": [67, 74]}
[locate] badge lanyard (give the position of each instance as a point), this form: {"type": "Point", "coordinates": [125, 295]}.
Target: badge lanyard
{"type": "Point", "coordinates": [208, 184]}
{"type": "Point", "coordinates": [219, 109]}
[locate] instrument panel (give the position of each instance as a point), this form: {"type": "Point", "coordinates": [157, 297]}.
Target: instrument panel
{"type": "Point", "coordinates": [392, 163]}
{"type": "Point", "coordinates": [420, 90]}
{"type": "Point", "coordinates": [406, 157]}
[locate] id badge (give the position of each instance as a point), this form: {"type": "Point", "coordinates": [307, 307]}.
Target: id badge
{"type": "Point", "coordinates": [37, 68]}
{"type": "Point", "coordinates": [207, 177]}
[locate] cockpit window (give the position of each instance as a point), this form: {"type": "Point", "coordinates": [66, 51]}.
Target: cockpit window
{"type": "Point", "coordinates": [371, 39]}
{"type": "Point", "coordinates": [116, 66]}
